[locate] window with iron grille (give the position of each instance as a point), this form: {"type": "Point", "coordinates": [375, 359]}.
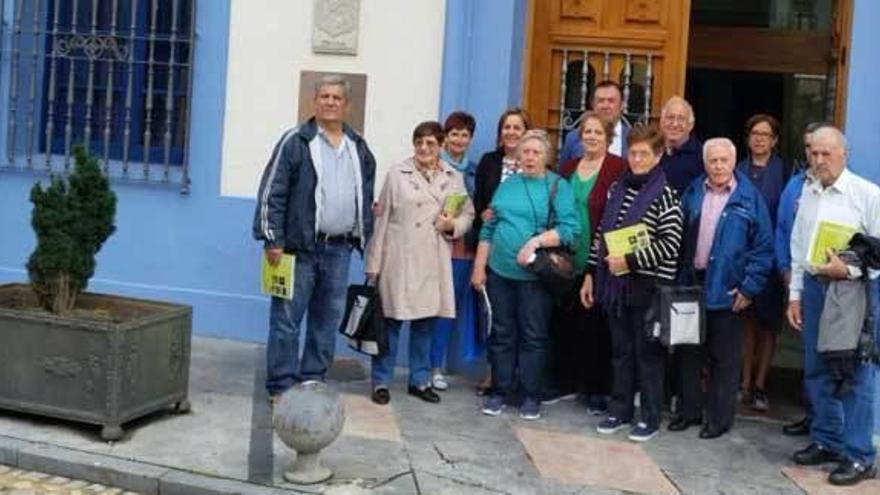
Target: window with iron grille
{"type": "Point", "coordinates": [114, 75]}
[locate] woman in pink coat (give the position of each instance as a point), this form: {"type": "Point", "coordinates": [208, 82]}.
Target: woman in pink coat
{"type": "Point", "coordinates": [409, 256]}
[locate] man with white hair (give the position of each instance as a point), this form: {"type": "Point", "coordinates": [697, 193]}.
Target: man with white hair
{"type": "Point", "coordinates": [842, 422]}
{"type": "Point", "coordinates": [728, 249]}
{"type": "Point", "coordinates": [314, 203]}
{"type": "Point", "coordinates": [682, 161]}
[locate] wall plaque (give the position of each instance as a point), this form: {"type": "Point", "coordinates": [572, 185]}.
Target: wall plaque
{"type": "Point", "coordinates": [335, 26]}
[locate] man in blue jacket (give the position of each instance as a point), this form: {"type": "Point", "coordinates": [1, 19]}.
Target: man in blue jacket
{"type": "Point", "coordinates": [314, 203]}
{"type": "Point", "coordinates": [788, 206]}
{"type": "Point", "coordinates": [727, 248]}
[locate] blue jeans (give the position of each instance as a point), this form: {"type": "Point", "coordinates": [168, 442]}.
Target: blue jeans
{"type": "Point", "coordinates": [465, 322]}
{"type": "Point", "coordinates": [521, 313]}
{"type": "Point", "coordinates": [382, 370]}
{"type": "Point", "coordinates": [320, 285]}
{"type": "Point", "coordinates": [843, 425]}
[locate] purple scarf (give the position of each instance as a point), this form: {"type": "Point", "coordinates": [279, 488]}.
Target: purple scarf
{"type": "Point", "coordinates": [613, 291]}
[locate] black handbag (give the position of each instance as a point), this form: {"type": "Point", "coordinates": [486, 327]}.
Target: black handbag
{"type": "Point", "coordinates": [554, 266]}
{"type": "Point", "coordinates": [363, 322]}
{"type": "Point", "coordinates": [677, 316]}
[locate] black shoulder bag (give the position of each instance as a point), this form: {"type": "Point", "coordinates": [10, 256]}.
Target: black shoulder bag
{"type": "Point", "coordinates": [554, 266]}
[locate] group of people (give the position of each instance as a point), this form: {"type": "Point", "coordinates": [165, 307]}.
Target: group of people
{"type": "Point", "coordinates": [739, 230]}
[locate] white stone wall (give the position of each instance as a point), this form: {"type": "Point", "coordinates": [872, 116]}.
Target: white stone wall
{"type": "Point", "coordinates": [400, 48]}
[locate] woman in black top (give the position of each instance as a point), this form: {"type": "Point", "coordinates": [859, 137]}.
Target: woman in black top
{"type": "Point", "coordinates": [495, 166]}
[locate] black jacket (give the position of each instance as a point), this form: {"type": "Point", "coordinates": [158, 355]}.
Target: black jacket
{"type": "Point", "coordinates": [286, 213]}
{"type": "Point", "coordinates": [487, 181]}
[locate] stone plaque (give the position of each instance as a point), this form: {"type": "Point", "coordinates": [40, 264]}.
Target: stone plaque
{"type": "Point", "coordinates": [335, 26]}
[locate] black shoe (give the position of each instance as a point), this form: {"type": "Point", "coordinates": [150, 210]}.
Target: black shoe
{"type": "Point", "coordinates": [426, 394]}
{"type": "Point", "coordinates": [710, 432]}
{"type": "Point", "coordinates": [681, 424]}
{"type": "Point", "coordinates": [798, 429]}
{"type": "Point", "coordinates": [851, 473]}
{"type": "Point", "coordinates": [814, 455]}
{"type": "Point", "coordinates": [381, 396]}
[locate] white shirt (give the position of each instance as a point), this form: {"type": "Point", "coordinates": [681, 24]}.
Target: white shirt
{"type": "Point", "coordinates": [617, 144]}
{"type": "Point", "coordinates": [851, 201]}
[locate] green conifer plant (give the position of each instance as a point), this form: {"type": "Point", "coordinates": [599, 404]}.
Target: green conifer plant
{"type": "Point", "coordinates": [71, 220]}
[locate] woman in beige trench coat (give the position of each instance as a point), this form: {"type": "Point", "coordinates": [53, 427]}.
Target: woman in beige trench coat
{"type": "Point", "coordinates": [409, 256]}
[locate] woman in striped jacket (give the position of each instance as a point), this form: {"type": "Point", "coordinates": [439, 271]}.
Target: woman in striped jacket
{"type": "Point", "coordinates": [624, 283]}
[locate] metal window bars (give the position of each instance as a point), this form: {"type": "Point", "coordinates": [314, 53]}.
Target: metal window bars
{"type": "Point", "coordinates": [114, 75]}
{"type": "Point", "coordinates": [578, 69]}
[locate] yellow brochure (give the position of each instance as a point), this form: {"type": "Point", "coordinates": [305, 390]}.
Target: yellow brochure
{"type": "Point", "coordinates": [829, 235]}
{"type": "Point", "coordinates": [454, 203]}
{"type": "Point", "coordinates": [277, 281]}
{"type": "Point", "coordinates": [627, 240]}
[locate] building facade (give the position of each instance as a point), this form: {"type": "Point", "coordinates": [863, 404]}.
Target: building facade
{"type": "Point", "coordinates": [184, 99]}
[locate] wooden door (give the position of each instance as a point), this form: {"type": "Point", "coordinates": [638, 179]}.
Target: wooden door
{"type": "Point", "coordinates": [642, 44]}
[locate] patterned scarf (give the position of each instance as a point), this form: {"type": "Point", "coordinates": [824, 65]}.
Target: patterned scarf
{"type": "Point", "coordinates": [613, 291]}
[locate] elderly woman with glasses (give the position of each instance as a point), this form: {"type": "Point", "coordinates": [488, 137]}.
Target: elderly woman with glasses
{"type": "Point", "coordinates": [624, 282]}
{"type": "Point", "coordinates": [410, 256]}
{"type": "Point", "coordinates": [521, 305]}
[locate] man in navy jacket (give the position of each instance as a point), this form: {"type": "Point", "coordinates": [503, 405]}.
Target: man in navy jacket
{"type": "Point", "coordinates": [314, 202]}
{"type": "Point", "coordinates": [727, 248]}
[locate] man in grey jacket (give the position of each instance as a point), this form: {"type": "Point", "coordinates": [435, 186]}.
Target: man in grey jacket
{"type": "Point", "coordinates": [314, 203]}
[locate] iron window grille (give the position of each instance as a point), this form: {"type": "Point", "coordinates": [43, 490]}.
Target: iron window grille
{"type": "Point", "coordinates": [113, 75]}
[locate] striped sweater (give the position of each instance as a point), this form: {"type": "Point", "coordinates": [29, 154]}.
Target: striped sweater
{"type": "Point", "coordinates": [664, 222]}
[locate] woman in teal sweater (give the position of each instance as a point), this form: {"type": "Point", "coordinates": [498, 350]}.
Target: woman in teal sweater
{"type": "Point", "coordinates": [521, 306]}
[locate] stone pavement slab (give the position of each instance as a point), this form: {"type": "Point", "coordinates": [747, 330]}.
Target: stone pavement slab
{"type": "Point", "coordinates": [814, 482]}
{"type": "Point", "coordinates": [594, 461]}
{"type": "Point", "coordinates": [226, 445]}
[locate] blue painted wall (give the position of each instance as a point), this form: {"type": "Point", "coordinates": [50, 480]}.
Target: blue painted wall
{"type": "Point", "coordinates": [482, 74]}
{"type": "Point", "coordinates": [193, 249]}
{"type": "Point", "coordinates": [482, 63]}
{"type": "Point", "coordinates": [863, 108]}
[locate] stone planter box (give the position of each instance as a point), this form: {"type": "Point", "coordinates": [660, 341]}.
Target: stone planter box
{"type": "Point", "coordinates": [114, 360]}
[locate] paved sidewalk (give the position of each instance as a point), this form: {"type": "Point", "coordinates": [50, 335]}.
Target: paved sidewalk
{"type": "Point", "coordinates": [226, 445]}
{"type": "Point", "coordinates": [18, 482]}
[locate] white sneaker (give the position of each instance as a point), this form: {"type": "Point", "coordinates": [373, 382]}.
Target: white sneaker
{"type": "Point", "coordinates": [438, 382]}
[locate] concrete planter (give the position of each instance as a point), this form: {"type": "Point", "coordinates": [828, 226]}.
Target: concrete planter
{"type": "Point", "coordinates": [133, 359]}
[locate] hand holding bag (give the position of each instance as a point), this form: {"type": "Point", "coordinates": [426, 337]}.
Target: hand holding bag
{"type": "Point", "coordinates": [363, 322]}
{"type": "Point", "coordinates": [678, 316]}
{"type": "Point", "coordinates": [554, 266]}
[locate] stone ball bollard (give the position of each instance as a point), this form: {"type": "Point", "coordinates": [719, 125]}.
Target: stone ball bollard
{"type": "Point", "coordinates": [308, 417]}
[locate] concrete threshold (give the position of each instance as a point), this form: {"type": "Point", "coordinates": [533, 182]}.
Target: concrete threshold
{"type": "Point", "coordinates": [140, 477]}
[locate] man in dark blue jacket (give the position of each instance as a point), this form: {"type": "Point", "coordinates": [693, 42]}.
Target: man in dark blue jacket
{"type": "Point", "coordinates": [727, 248]}
{"type": "Point", "coordinates": [683, 159]}
{"type": "Point", "coordinates": [314, 203]}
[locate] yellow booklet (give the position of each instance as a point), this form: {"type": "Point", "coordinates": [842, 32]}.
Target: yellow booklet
{"type": "Point", "coordinates": [627, 240]}
{"type": "Point", "coordinates": [277, 281]}
{"type": "Point", "coordinates": [454, 203]}
{"type": "Point", "coordinates": [827, 235]}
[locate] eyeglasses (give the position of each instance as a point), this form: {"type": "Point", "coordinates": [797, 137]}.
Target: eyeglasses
{"type": "Point", "coordinates": [676, 119]}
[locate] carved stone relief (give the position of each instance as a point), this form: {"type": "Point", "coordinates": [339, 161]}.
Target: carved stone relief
{"type": "Point", "coordinates": [335, 26]}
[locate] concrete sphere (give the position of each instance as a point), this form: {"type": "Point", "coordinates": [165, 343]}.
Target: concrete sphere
{"type": "Point", "coordinates": [309, 417]}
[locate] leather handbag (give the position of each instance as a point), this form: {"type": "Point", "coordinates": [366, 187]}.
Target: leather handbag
{"type": "Point", "coordinates": [554, 266]}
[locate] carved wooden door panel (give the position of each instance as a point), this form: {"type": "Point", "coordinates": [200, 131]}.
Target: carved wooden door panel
{"type": "Point", "coordinates": [573, 44]}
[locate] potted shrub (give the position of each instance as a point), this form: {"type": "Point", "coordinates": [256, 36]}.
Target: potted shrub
{"type": "Point", "coordinates": [70, 354]}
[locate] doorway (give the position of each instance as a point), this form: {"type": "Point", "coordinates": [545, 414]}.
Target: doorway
{"type": "Point", "coordinates": [779, 57]}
